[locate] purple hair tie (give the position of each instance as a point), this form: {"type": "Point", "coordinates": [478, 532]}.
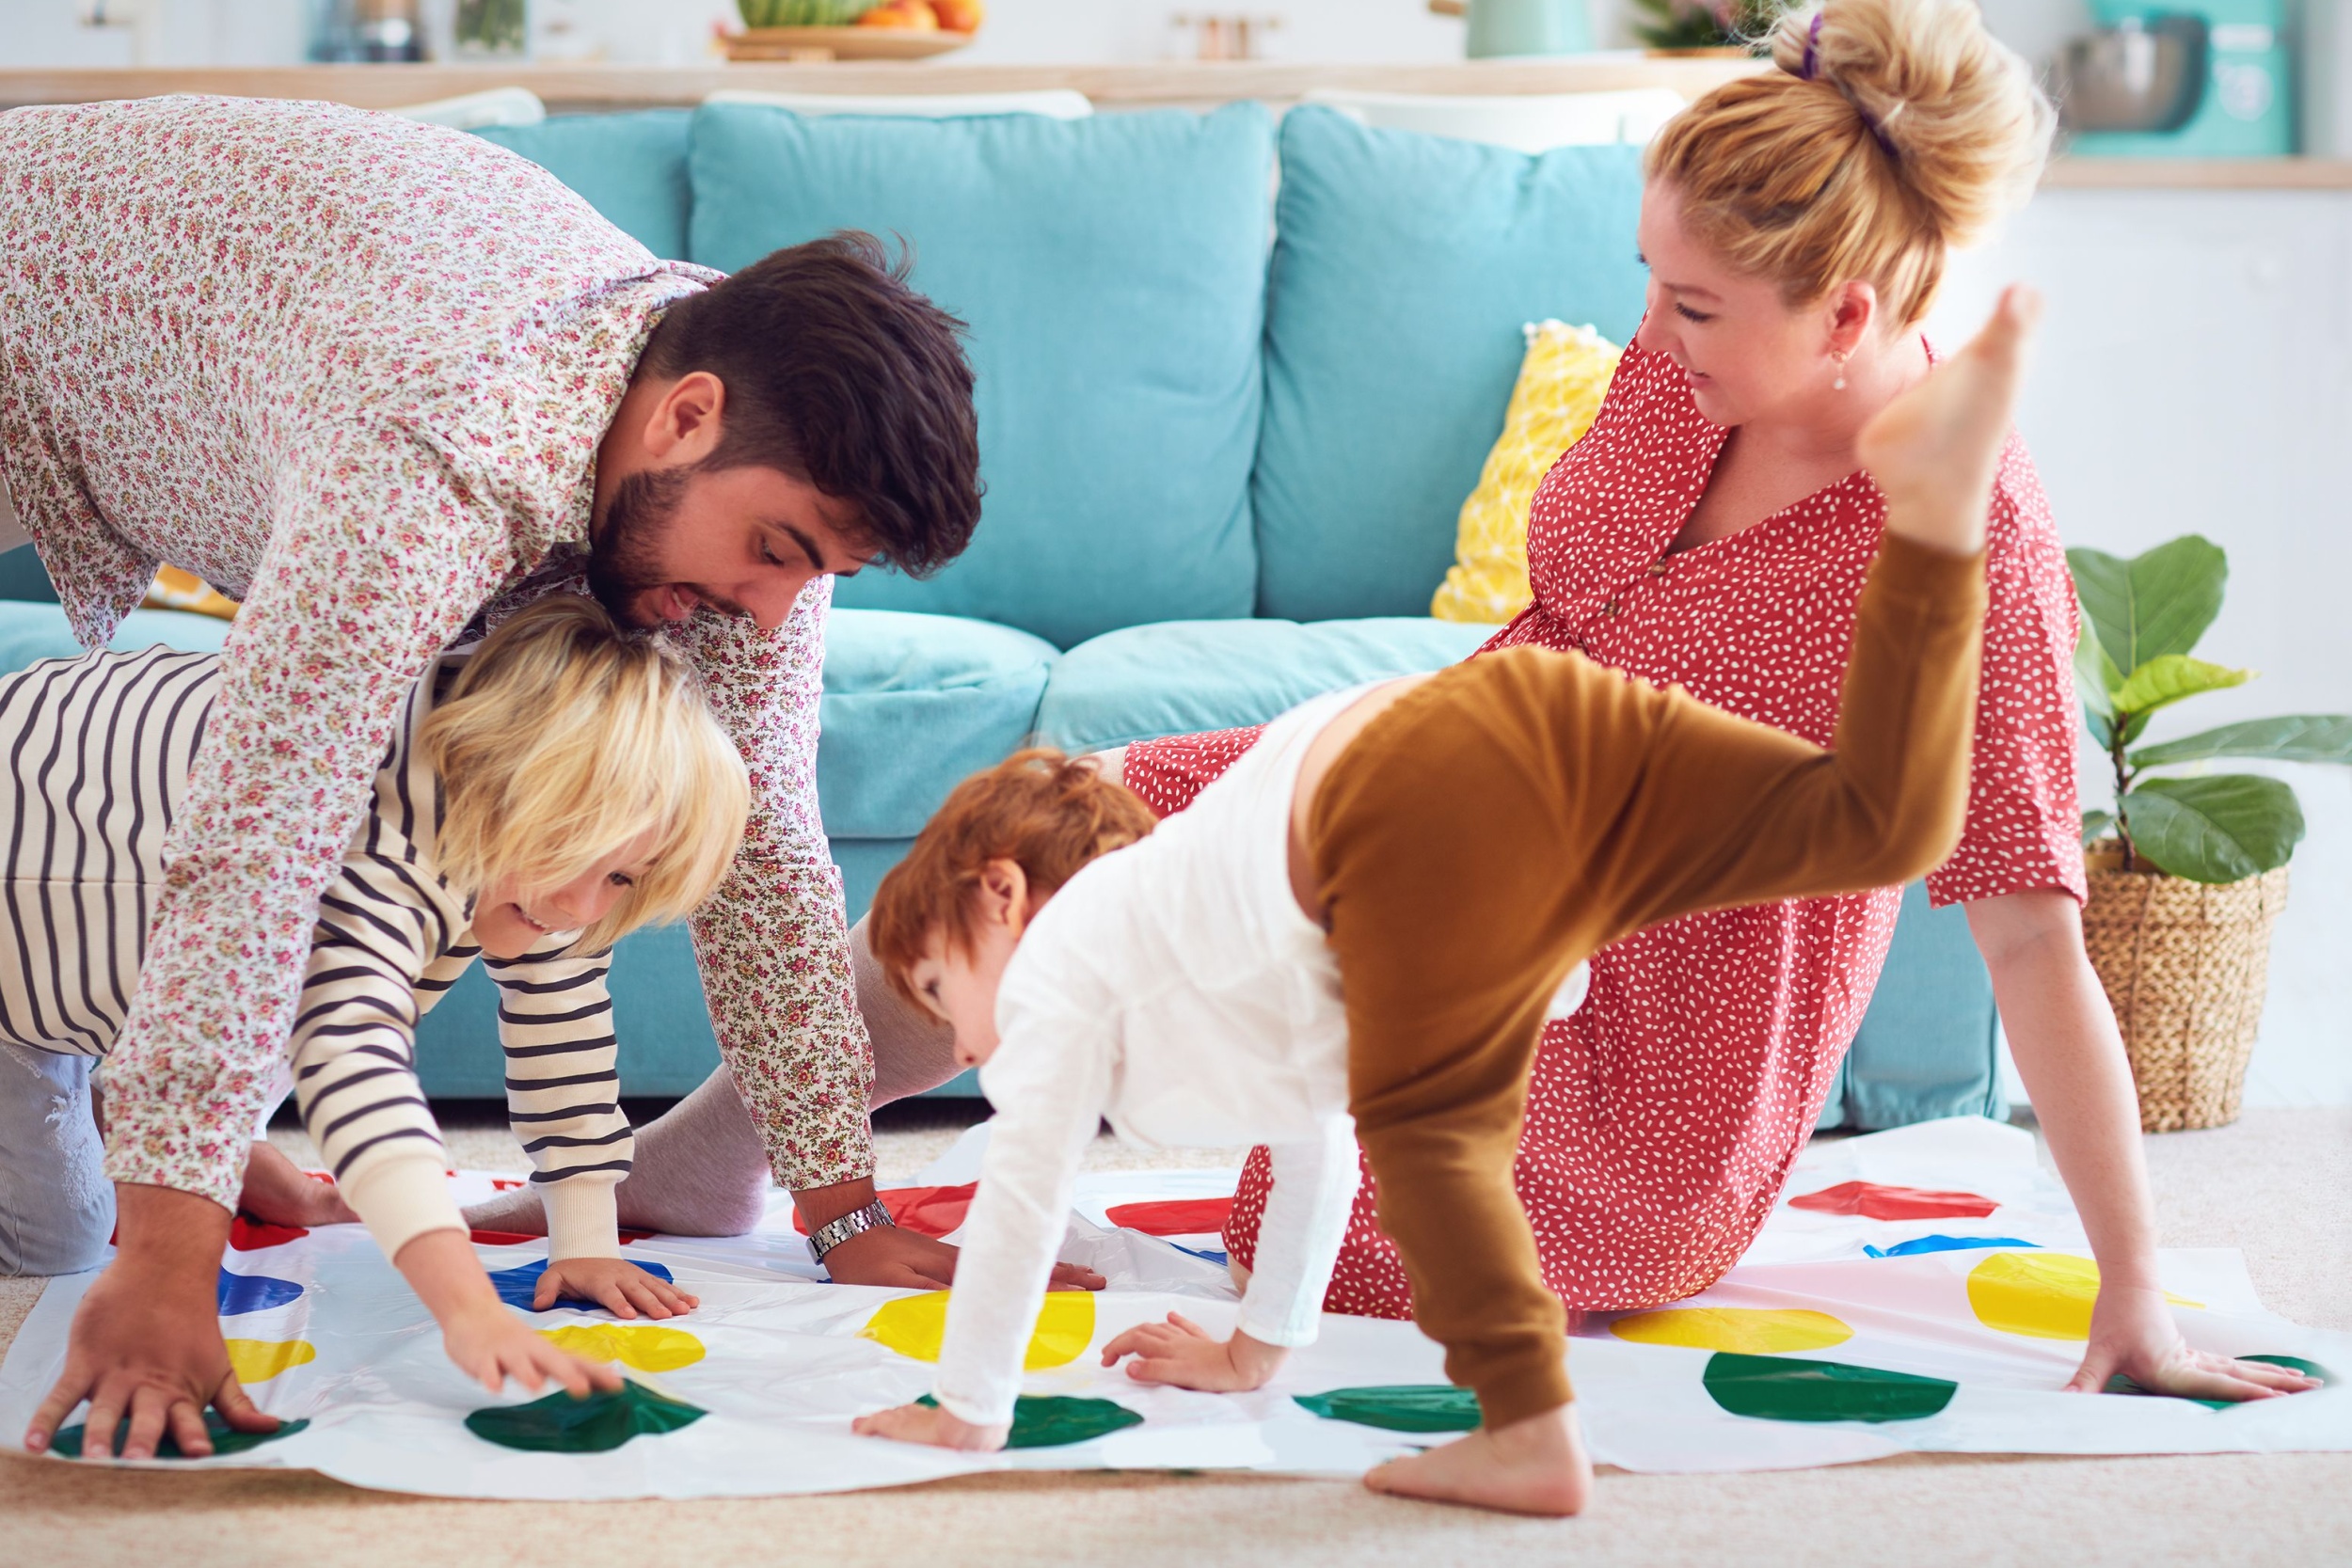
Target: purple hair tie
{"type": "Point", "coordinates": [1811, 71]}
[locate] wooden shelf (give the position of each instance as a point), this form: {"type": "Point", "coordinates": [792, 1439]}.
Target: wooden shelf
{"type": "Point", "coordinates": [593, 87]}
{"type": "Point", "coordinates": [2201, 174]}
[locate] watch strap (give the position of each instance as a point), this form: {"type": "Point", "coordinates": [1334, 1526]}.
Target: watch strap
{"type": "Point", "coordinates": [855, 1223]}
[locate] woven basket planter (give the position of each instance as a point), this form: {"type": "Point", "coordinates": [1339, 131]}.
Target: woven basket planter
{"type": "Point", "coordinates": [2186, 966]}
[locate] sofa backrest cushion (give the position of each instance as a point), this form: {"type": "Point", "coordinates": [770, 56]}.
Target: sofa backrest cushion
{"type": "Point", "coordinates": [1113, 271]}
{"type": "Point", "coordinates": [1404, 267]}
{"type": "Point", "coordinates": [631, 167]}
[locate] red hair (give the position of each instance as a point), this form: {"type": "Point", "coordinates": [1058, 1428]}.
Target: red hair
{"type": "Point", "coordinates": [1049, 813]}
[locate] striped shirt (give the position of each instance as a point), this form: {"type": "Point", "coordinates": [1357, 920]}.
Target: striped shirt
{"type": "Point", "coordinates": [98, 753]}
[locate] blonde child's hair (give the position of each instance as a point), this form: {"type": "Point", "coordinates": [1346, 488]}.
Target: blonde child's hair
{"type": "Point", "coordinates": [566, 737]}
{"type": "Point", "coordinates": [1893, 130]}
{"type": "Point", "coordinates": [1049, 813]}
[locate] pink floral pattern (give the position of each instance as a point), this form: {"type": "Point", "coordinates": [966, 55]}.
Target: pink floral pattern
{"type": "Point", "coordinates": [353, 371]}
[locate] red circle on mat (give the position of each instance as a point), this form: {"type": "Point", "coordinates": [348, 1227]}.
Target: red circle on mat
{"type": "Point", "coordinates": [246, 1234]}
{"type": "Point", "coordinates": [1874, 1202]}
{"type": "Point", "coordinates": [1183, 1217]}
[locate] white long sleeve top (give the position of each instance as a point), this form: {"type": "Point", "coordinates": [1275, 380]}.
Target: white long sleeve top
{"type": "Point", "coordinates": [1176, 988]}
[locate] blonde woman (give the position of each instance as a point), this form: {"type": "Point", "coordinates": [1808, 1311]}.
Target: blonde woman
{"type": "Point", "coordinates": [549, 790]}
{"type": "Point", "coordinates": [1713, 530]}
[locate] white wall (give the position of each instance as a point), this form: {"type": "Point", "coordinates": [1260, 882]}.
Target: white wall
{"type": "Point", "coordinates": [2196, 376]}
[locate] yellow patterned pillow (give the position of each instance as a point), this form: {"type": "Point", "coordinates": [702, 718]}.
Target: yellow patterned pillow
{"type": "Point", "coordinates": [1560, 383]}
{"type": "Point", "coordinates": [174, 589]}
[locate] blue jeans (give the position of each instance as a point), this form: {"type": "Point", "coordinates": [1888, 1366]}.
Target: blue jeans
{"type": "Point", "coordinates": [56, 1207]}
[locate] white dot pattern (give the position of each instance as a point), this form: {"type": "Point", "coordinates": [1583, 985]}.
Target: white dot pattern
{"type": "Point", "coordinates": [1663, 1115]}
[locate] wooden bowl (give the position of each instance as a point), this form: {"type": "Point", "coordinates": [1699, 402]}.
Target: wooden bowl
{"type": "Point", "coordinates": [841, 43]}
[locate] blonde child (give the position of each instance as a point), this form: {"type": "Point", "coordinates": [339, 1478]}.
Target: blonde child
{"type": "Point", "coordinates": [1360, 928]}
{"type": "Point", "coordinates": [550, 789]}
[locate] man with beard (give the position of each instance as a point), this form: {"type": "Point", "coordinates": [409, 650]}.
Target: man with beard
{"type": "Point", "coordinates": [385, 383]}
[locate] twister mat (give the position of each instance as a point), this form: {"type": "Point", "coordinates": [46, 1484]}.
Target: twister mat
{"type": "Point", "coordinates": [1922, 1289]}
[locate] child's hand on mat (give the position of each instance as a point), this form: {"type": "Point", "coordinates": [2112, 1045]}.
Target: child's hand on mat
{"type": "Point", "coordinates": [617, 1285]}
{"type": "Point", "coordinates": [1182, 1354]}
{"type": "Point", "coordinates": [927, 1423]}
{"type": "Point", "coordinates": [490, 1344]}
{"type": "Point", "coordinates": [2132, 1332]}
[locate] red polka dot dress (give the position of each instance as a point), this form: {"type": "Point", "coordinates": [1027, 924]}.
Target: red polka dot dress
{"type": "Point", "coordinates": [1662, 1117]}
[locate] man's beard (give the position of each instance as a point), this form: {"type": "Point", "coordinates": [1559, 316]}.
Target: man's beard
{"type": "Point", "coordinates": [625, 556]}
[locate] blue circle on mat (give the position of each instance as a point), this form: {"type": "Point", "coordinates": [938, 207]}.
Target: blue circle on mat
{"type": "Point", "coordinates": [253, 1292]}
{"type": "Point", "coordinates": [518, 1286]}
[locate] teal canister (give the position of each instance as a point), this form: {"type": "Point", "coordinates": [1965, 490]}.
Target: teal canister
{"type": "Point", "coordinates": [1528, 28]}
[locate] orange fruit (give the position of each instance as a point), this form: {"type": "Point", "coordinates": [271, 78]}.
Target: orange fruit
{"type": "Point", "coordinates": [959, 16]}
{"type": "Point", "coordinates": [913, 15]}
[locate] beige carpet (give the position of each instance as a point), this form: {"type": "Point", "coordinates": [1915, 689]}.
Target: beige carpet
{"type": "Point", "coordinates": [2275, 1186]}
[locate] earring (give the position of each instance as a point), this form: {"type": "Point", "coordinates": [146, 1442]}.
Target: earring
{"type": "Point", "coordinates": [1840, 384]}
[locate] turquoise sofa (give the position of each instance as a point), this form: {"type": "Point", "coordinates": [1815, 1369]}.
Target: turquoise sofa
{"type": "Point", "coordinates": [1226, 422]}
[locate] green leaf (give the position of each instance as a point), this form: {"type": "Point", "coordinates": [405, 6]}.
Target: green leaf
{"type": "Point", "coordinates": [2095, 826]}
{"type": "Point", "coordinates": [2153, 604]}
{"type": "Point", "coordinates": [2223, 828]}
{"type": "Point", "coordinates": [2301, 738]}
{"type": "Point", "coordinates": [2102, 728]}
{"type": "Point", "coordinates": [2095, 675]}
{"type": "Point", "coordinates": [2168, 677]}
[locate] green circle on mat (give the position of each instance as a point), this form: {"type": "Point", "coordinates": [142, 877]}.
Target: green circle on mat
{"type": "Point", "coordinates": [1053, 1421]}
{"type": "Point", "coordinates": [1400, 1407]}
{"type": "Point", "coordinates": [226, 1439]}
{"type": "Point", "coordinates": [561, 1424]}
{"type": "Point", "coordinates": [2118, 1383]}
{"type": "Point", "coordinates": [1786, 1388]}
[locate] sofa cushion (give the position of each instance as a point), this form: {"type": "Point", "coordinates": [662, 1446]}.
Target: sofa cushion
{"type": "Point", "coordinates": [30, 632]}
{"type": "Point", "coordinates": [1182, 676]}
{"type": "Point", "coordinates": [631, 167]}
{"type": "Point", "coordinates": [1113, 273]}
{"type": "Point", "coordinates": [1404, 268]}
{"type": "Point", "coordinates": [912, 704]}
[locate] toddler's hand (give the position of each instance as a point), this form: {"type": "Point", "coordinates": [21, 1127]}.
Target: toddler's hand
{"type": "Point", "coordinates": [926, 1423]}
{"type": "Point", "coordinates": [1181, 1353]}
{"type": "Point", "coordinates": [617, 1285]}
{"type": "Point", "coordinates": [490, 1344]}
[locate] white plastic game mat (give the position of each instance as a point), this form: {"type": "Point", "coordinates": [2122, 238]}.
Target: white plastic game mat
{"type": "Point", "coordinates": [1927, 1288]}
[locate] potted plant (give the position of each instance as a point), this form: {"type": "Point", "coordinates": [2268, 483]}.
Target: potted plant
{"type": "Point", "coordinates": [2187, 872]}
{"type": "Point", "coordinates": [1705, 26]}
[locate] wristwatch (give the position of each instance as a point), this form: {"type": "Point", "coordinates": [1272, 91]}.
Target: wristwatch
{"type": "Point", "coordinates": [855, 1223]}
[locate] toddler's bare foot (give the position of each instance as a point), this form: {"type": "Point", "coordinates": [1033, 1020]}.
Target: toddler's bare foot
{"type": "Point", "coordinates": [1934, 449]}
{"type": "Point", "coordinates": [1537, 1466]}
{"type": "Point", "coordinates": [281, 1193]}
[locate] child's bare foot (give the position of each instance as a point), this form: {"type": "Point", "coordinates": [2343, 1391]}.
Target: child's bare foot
{"type": "Point", "coordinates": [1537, 1466]}
{"type": "Point", "coordinates": [1934, 449]}
{"type": "Point", "coordinates": [281, 1193]}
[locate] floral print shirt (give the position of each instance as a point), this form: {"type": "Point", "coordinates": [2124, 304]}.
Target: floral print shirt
{"type": "Point", "coordinates": [354, 372]}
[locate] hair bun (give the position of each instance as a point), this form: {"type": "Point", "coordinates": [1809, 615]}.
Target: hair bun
{"type": "Point", "coordinates": [1957, 112]}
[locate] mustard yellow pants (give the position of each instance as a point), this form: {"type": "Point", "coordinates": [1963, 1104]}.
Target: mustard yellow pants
{"type": "Point", "coordinates": [1508, 817]}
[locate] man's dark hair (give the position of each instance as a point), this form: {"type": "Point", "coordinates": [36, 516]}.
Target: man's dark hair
{"type": "Point", "coordinates": [839, 373]}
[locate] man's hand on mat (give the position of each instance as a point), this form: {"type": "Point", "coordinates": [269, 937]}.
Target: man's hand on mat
{"type": "Point", "coordinates": [617, 1285]}
{"type": "Point", "coordinates": [1182, 1354]}
{"type": "Point", "coordinates": [146, 1341]}
{"type": "Point", "coordinates": [906, 1260]}
{"type": "Point", "coordinates": [926, 1423]}
{"type": "Point", "coordinates": [2132, 1332]}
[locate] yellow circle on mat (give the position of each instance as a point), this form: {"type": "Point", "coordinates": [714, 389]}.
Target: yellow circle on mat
{"type": "Point", "coordinates": [2043, 1295]}
{"type": "Point", "coordinates": [915, 1326]}
{"type": "Point", "coordinates": [1741, 1330]}
{"type": "Point", "coordinates": [259, 1360]}
{"type": "Point", "coordinates": [647, 1347]}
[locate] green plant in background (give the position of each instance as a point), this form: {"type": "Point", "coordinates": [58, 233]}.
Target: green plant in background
{"type": "Point", "coordinates": [1705, 24]}
{"type": "Point", "coordinates": [2141, 619]}
{"type": "Point", "coordinates": [802, 13]}
{"type": "Point", "coordinates": [492, 27]}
